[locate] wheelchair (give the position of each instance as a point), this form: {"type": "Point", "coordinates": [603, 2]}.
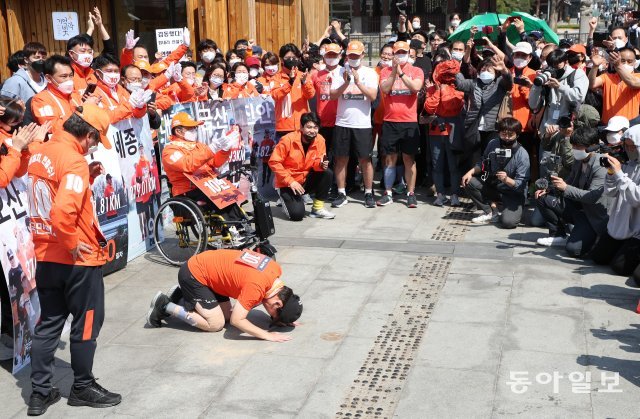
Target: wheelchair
{"type": "Point", "coordinates": [183, 228]}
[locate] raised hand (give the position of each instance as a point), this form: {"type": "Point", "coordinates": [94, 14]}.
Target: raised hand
{"type": "Point", "coordinates": [130, 41]}
{"type": "Point", "coordinates": [186, 37]}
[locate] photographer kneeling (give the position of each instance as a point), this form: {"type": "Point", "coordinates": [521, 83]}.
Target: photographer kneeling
{"type": "Point", "coordinates": [501, 176]}
{"type": "Point", "coordinates": [619, 246]}
{"type": "Point", "coordinates": [577, 200]}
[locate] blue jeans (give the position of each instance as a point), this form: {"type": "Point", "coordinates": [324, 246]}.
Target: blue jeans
{"type": "Point", "coordinates": [441, 150]}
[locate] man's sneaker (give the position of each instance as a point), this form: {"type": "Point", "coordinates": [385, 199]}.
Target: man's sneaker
{"type": "Point", "coordinates": [386, 199]}
{"type": "Point", "coordinates": [94, 395]}
{"type": "Point", "coordinates": [175, 294]}
{"type": "Point", "coordinates": [400, 189]}
{"type": "Point", "coordinates": [440, 200]}
{"type": "Point", "coordinates": [322, 213]}
{"type": "Point", "coordinates": [307, 199]}
{"type": "Point", "coordinates": [455, 201]}
{"type": "Point", "coordinates": [552, 241]}
{"type": "Point", "coordinates": [486, 218]}
{"type": "Point", "coordinates": [412, 202]}
{"type": "Point", "coordinates": [156, 313]}
{"type": "Point", "coordinates": [279, 202]}
{"type": "Point", "coordinates": [38, 404]}
{"type": "Point", "coordinates": [369, 201]}
{"type": "Point", "coordinates": [340, 201]}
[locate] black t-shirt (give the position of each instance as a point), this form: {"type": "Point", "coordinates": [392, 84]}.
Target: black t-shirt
{"type": "Point", "coordinates": [424, 63]}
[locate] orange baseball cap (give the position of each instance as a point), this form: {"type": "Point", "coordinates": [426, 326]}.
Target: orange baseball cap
{"type": "Point", "coordinates": [98, 119]}
{"type": "Point", "coordinates": [158, 67]}
{"type": "Point", "coordinates": [335, 48]}
{"type": "Point", "coordinates": [579, 48]}
{"type": "Point", "coordinates": [182, 119]}
{"type": "Point", "coordinates": [143, 65]}
{"type": "Point", "coordinates": [354, 47]}
{"type": "Point", "coordinates": [400, 46]}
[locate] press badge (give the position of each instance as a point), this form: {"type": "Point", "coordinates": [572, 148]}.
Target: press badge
{"type": "Point", "coordinates": [254, 260]}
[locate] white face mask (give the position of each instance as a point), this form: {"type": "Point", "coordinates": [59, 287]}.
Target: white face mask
{"type": "Point", "coordinates": [145, 82]}
{"type": "Point", "coordinates": [630, 68]}
{"type": "Point", "coordinates": [190, 80]}
{"type": "Point", "coordinates": [133, 86]}
{"type": "Point", "coordinates": [455, 23]}
{"type": "Point", "coordinates": [614, 137]}
{"type": "Point", "coordinates": [191, 135]}
{"type": "Point", "coordinates": [579, 154]}
{"type": "Point", "coordinates": [111, 79]}
{"type": "Point", "coordinates": [486, 77]}
{"type": "Point", "coordinates": [242, 78]}
{"type": "Point", "coordinates": [322, 52]}
{"type": "Point", "coordinates": [216, 81]}
{"type": "Point", "coordinates": [544, 65]}
{"type": "Point", "coordinates": [415, 24]}
{"type": "Point", "coordinates": [411, 61]}
{"type": "Point", "coordinates": [322, 66]}
{"type": "Point", "coordinates": [208, 56]}
{"type": "Point", "coordinates": [457, 55]}
{"type": "Point", "coordinates": [253, 73]}
{"type": "Point", "coordinates": [637, 63]}
{"type": "Point", "coordinates": [83, 60]}
{"type": "Point", "coordinates": [91, 150]}
{"type": "Point", "coordinates": [331, 62]}
{"type": "Point", "coordinates": [619, 43]}
{"type": "Point", "coordinates": [386, 63]}
{"type": "Point", "coordinates": [355, 63]}
{"type": "Point", "coordinates": [538, 52]}
{"type": "Point", "coordinates": [65, 87]}
{"type": "Point", "coordinates": [520, 62]}
{"type": "Point", "coordinates": [402, 58]}
{"type": "Point", "coordinates": [271, 69]}
{"type": "Point", "coordinates": [233, 61]}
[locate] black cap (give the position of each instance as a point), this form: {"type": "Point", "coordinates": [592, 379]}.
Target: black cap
{"type": "Point", "coordinates": [565, 43]}
{"type": "Point", "coordinates": [564, 121]}
{"type": "Point", "coordinates": [291, 310]}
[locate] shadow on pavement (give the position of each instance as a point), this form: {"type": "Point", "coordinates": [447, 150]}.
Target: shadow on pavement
{"type": "Point", "coordinates": [628, 369]}
{"type": "Point", "coordinates": [628, 337]}
{"type": "Point", "coordinates": [621, 297]}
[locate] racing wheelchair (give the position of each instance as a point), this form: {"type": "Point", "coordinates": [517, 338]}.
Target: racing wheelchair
{"type": "Point", "coordinates": [184, 228]}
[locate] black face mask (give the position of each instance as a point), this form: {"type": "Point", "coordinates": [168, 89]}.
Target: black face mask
{"type": "Point", "coordinates": [38, 66]}
{"type": "Point", "coordinates": [559, 73]}
{"type": "Point", "coordinates": [289, 63]}
{"type": "Point", "coordinates": [507, 144]}
{"type": "Point", "coordinates": [241, 53]}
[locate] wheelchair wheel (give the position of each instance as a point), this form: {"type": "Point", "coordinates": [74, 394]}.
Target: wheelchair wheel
{"type": "Point", "coordinates": [179, 231]}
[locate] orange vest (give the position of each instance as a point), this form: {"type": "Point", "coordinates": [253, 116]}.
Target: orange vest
{"type": "Point", "coordinates": [52, 105]}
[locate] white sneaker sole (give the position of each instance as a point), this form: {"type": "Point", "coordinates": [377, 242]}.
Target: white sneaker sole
{"type": "Point", "coordinates": [312, 215]}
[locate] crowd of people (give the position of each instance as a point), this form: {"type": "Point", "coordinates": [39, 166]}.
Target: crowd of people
{"type": "Point", "coordinates": [531, 124]}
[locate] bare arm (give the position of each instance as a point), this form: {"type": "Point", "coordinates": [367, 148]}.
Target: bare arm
{"type": "Point", "coordinates": [239, 320]}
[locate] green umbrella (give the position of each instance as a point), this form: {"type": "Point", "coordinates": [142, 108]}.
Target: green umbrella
{"type": "Point", "coordinates": [531, 23]}
{"type": "Point", "coordinates": [463, 32]}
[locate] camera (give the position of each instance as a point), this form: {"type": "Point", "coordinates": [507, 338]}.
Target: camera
{"type": "Point", "coordinates": [604, 162]}
{"type": "Point", "coordinates": [544, 77]}
{"type": "Point", "coordinates": [504, 153]}
{"type": "Point", "coordinates": [551, 164]}
{"type": "Point", "coordinates": [616, 151]}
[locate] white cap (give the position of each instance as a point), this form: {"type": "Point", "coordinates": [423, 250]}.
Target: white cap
{"type": "Point", "coordinates": [523, 47]}
{"type": "Point", "coordinates": [617, 123]}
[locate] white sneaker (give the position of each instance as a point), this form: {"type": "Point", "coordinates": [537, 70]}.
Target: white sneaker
{"type": "Point", "coordinates": [322, 213]}
{"type": "Point", "coordinates": [552, 241]}
{"type": "Point", "coordinates": [455, 201]}
{"type": "Point", "coordinates": [486, 218]}
{"type": "Point", "coordinates": [307, 199]}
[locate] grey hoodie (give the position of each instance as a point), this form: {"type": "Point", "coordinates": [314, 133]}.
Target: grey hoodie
{"type": "Point", "coordinates": [624, 187]}
{"type": "Point", "coordinates": [21, 86]}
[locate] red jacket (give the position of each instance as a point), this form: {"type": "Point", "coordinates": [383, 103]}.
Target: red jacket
{"type": "Point", "coordinates": [290, 163]}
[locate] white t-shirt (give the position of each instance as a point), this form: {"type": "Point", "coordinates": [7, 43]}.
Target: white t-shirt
{"type": "Point", "coordinates": [354, 108]}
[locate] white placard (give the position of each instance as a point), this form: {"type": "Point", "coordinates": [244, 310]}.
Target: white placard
{"type": "Point", "coordinates": [65, 25]}
{"type": "Point", "coordinates": [168, 40]}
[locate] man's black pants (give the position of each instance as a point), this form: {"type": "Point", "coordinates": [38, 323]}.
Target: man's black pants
{"type": "Point", "coordinates": [622, 255]}
{"type": "Point", "coordinates": [482, 193]}
{"type": "Point", "coordinates": [317, 183]}
{"type": "Point", "coordinates": [64, 290]}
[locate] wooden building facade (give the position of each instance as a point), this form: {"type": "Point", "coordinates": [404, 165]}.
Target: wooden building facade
{"type": "Point", "coordinates": [271, 23]}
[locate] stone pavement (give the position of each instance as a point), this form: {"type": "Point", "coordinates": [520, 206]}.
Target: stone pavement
{"type": "Point", "coordinates": [408, 313]}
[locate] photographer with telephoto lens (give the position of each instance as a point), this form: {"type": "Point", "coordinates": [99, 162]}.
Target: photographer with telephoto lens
{"type": "Point", "coordinates": [576, 199]}
{"type": "Point", "coordinates": [501, 176]}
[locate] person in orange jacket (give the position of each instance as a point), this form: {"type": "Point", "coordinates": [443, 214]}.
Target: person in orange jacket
{"type": "Point", "coordinates": [270, 64]}
{"type": "Point", "coordinates": [80, 50]}
{"type": "Point", "coordinates": [240, 87]}
{"type": "Point", "coordinates": [14, 147]}
{"type": "Point", "coordinates": [300, 165]}
{"type": "Point", "coordinates": [58, 100]}
{"type": "Point", "coordinates": [70, 252]}
{"type": "Point", "coordinates": [113, 97]}
{"type": "Point", "coordinates": [181, 90]}
{"type": "Point", "coordinates": [133, 51]}
{"type": "Point", "coordinates": [291, 92]}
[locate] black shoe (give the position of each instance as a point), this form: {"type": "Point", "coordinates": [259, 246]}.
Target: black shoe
{"type": "Point", "coordinates": [94, 395]}
{"type": "Point", "coordinates": [340, 201]}
{"type": "Point", "coordinates": [156, 313]}
{"type": "Point", "coordinates": [38, 404]}
{"type": "Point", "coordinates": [175, 294]}
{"type": "Point", "coordinates": [412, 202]}
{"type": "Point", "coordinates": [369, 201]}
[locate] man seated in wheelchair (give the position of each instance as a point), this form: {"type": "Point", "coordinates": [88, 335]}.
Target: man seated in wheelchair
{"type": "Point", "coordinates": [184, 154]}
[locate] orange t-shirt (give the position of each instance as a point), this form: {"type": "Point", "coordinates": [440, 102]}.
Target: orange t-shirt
{"type": "Point", "coordinates": [401, 105]}
{"type": "Point", "coordinates": [618, 98]}
{"type": "Point", "coordinates": [223, 272]}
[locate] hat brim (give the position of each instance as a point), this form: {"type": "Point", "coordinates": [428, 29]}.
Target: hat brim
{"type": "Point", "coordinates": [188, 124]}
{"type": "Point", "coordinates": [105, 141]}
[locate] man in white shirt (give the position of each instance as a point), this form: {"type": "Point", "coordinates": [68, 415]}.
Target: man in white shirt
{"type": "Point", "coordinates": [355, 88]}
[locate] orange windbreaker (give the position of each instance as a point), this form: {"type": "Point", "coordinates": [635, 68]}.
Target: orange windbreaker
{"type": "Point", "coordinates": [126, 56]}
{"type": "Point", "coordinates": [118, 106]}
{"type": "Point", "coordinates": [290, 163]}
{"type": "Point", "coordinates": [291, 101]}
{"type": "Point", "coordinates": [235, 91]}
{"type": "Point", "coordinates": [14, 163]}
{"type": "Point", "coordinates": [61, 204]}
{"type": "Point", "coordinates": [268, 83]}
{"type": "Point", "coordinates": [520, 98]}
{"type": "Point", "coordinates": [53, 105]}
{"type": "Point", "coordinates": [180, 157]}
{"type": "Point", "coordinates": [179, 92]}
{"type": "Point", "coordinates": [82, 76]}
